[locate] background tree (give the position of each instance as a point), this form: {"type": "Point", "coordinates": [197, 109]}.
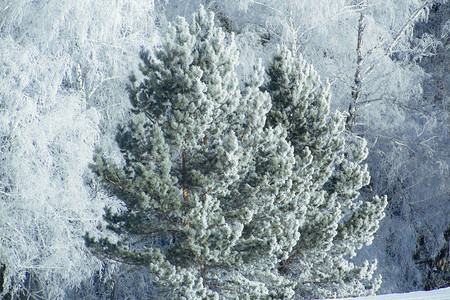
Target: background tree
{"type": "Point", "coordinates": [63, 64]}
{"type": "Point", "coordinates": [219, 202]}
{"type": "Point", "coordinates": [45, 136]}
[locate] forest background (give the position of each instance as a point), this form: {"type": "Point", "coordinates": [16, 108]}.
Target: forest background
{"type": "Point", "coordinates": [64, 67]}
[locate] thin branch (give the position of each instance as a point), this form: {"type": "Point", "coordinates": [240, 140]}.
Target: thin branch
{"type": "Point", "coordinates": [100, 84]}
{"type": "Point", "coordinates": [267, 6]}
{"type": "Point", "coordinates": [396, 141]}
{"type": "Point", "coordinates": [373, 49]}
{"type": "Point", "coordinates": [32, 267]}
{"type": "Point", "coordinates": [399, 35]}
{"type": "Point", "coordinates": [428, 199]}
{"type": "Point", "coordinates": [366, 102]}
{"type": "Point", "coordinates": [285, 263]}
{"type": "Point", "coordinates": [117, 184]}
{"type": "Point", "coordinates": [38, 11]}
{"type": "Point", "coordinates": [165, 217]}
{"type": "Point", "coordinates": [405, 27]}
{"type": "Point", "coordinates": [202, 267]}
{"type": "Point", "coordinates": [6, 194]}
{"type": "Point", "coordinates": [4, 19]}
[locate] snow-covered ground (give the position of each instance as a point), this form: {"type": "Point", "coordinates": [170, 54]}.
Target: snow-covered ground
{"type": "Point", "coordinates": [441, 294]}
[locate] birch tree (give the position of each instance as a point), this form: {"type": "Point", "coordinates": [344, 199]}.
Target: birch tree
{"type": "Point", "coordinates": [62, 63]}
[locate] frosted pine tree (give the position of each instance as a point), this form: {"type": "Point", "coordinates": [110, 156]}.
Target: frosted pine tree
{"type": "Point", "coordinates": [337, 223]}
{"type": "Point", "coordinates": [218, 201]}
{"type": "Point", "coordinates": [200, 172]}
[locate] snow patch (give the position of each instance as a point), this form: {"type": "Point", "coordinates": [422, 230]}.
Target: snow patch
{"type": "Point", "coordinates": [441, 294]}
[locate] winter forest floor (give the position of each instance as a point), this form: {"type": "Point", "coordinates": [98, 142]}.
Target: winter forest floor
{"type": "Point", "coordinates": [441, 294]}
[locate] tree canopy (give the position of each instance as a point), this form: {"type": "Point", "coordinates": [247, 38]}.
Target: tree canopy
{"type": "Point", "coordinates": [236, 189]}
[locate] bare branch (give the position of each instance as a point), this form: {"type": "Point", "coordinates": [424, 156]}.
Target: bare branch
{"type": "Point", "coordinates": [396, 40]}
{"type": "Point", "coordinates": [405, 27]}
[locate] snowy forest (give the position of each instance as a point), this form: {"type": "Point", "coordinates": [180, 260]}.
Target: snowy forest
{"type": "Point", "coordinates": [236, 149]}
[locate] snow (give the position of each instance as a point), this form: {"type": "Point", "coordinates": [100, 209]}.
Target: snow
{"type": "Point", "coordinates": [441, 294]}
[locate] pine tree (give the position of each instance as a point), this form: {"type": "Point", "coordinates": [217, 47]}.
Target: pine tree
{"type": "Point", "coordinates": [337, 223]}
{"type": "Point", "coordinates": [225, 190]}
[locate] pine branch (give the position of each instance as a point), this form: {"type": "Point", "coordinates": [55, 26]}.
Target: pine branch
{"type": "Point", "coordinates": [288, 261]}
